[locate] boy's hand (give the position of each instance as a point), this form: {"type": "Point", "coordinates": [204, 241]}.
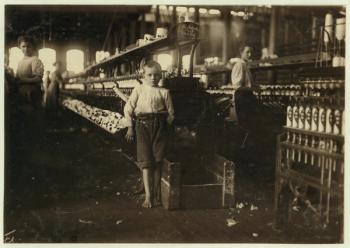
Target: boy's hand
{"type": "Point", "coordinates": [129, 135]}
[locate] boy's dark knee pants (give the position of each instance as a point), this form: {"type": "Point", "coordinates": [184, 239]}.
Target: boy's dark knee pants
{"type": "Point", "coordinates": [151, 138]}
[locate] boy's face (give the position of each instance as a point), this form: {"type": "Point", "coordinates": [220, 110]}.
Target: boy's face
{"type": "Point", "coordinates": [152, 75]}
{"type": "Point", "coordinates": [246, 54]}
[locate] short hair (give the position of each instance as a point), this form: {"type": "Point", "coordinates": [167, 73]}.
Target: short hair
{"type": "Point", "coordinates": [151, 64]}
{"type": "Point", "coordinates": [242, 46]}
{"type": "Point", "coordinates": [26, 38]}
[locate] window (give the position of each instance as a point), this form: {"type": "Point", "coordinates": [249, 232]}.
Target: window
{"type": "Point", "coordinates": [165, 60]}
{"type": "Point", "coordinates": [48, 57]}
{"type": "Point", "coordinates": [98, 56]}
{"type": "Point", "coordinates": [186, 62]}
{"type": "Point", "coordinates": [75, 60]}
{"type": "Point", "coordinates": [15, 56]}
{"type": "Point", "coordinates": [101, 55]}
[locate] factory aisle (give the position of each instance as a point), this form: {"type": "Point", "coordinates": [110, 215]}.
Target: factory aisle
{"type": "Point", "coordinates": [73, 185]}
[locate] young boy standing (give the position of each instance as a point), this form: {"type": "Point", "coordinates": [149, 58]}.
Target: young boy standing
{"type": "Point", "coordinates": [153, 110]}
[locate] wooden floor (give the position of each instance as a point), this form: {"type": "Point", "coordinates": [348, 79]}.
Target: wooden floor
{"type": "Point", "coordinates": [73, 184]}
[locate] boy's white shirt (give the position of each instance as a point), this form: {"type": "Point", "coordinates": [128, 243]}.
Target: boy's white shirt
{"type": "Point", "coordinates": [240, 74]}
{"type": "Point", "coordinates": [146, 99]}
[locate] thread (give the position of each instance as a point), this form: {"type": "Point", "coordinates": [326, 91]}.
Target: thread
{"type": "Point", "coordinates": [314, 123]}
{"type": "Point", "coordinates": [301, 123]}
{"type": "Point", "coordinates": [295, 117]}
{"type": "Point", "coordinates": [336, 61]}
{"type": "Point", "coordinates": [289, 116]}
{"type": "Point", "coordinates": [337, 122]}
{"type": "Point", "coordinates": [328, 27]}
{"type": "Point", "coordinates": [322, 120]}
{"type": "Point", "coordinates": [329, 120]}
{"type": "Point", "coordinates": [308, 118]}
{"type": "Point", "coordinates": [340, 29]}
{"type": "Point", "coordinates": [161, 32]}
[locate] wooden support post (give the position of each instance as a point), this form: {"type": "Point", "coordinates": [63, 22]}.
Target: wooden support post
{"type": "Point", "coordinates": [193, 49]}
{"type": "Point", "coordinates": [179, 60]}
{"type": "Point", "coordinates": [142, 26]}
{"type": "Point", "coordinates": [314, 28]}
{"type": "Point", "coordinates": [124, 40]}
{"type": "Point", "coordinates": [174, 54]}
{"type": "Point", "coordinates": [279, 211]}
{"type": "Point", "coordinates": [174, 16]}
{"type": "Point", "coordinates": [157, 17]}
{"type": "Point", "coordinates": [170, 184]}
{"type": "Point", "coordinates": [132, 32]}
{"type": "Point", "coordinates": [286, 32]}
{"type": "Point", "coordinates": [228, 190]}
{"type": "Point", "coordinates": [272, 40]}
{"type": "Point", "coordinates": [124, 37]}
{"type": "Point", "coordinates": [273, 30]}
{"type": "Point", "coordinates": [197, 20]}
{"type": "Point", "coordinates": [263, 37]}
{"type": "Point", "coordinates": [226, 39]}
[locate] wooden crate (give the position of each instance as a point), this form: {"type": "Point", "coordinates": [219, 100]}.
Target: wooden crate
{"type": "Point", "coordinates": [170, 185]}
{"type": "Point", "coordinates": [216, 193]}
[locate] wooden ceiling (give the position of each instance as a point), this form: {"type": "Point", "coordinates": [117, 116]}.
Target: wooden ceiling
{"type": "Point", "coordinates": [79, 22]}
{"type": "Point", "coordinates": [66, 22]}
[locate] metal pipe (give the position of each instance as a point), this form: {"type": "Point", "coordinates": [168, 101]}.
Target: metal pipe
{"type": "Point", "coordinates": [193, 48]}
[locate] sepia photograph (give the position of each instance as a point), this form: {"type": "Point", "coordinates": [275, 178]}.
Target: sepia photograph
{"type": "Point", "coordinates": [174, 123]}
